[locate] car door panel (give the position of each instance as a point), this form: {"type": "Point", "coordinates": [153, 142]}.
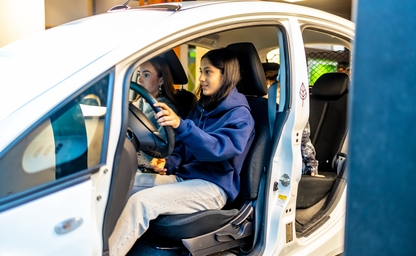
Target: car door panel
{"type": "Point", "coordinates": [47, 197]}
{"type": "Point", "coordinates": [29, 229]}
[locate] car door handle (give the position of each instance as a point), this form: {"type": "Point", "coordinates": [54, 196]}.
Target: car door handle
{"type": "Point", "coordinates": [68, 225]}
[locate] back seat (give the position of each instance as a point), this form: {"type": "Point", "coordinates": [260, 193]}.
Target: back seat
{"type": "Point", "coordinates": [328, 121]}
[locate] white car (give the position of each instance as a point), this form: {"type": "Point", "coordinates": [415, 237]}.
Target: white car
{"type": "Point", "coordinates": [67, 166]}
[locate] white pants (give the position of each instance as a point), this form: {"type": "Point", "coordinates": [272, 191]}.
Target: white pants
{"type": "Point", "coordinates": [161, 194]}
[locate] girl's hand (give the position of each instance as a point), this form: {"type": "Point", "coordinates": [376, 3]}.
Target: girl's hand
{"type": "Point", "coordinates": [158, 165]}
{"type": "Point", "coordinates": [166, 117]}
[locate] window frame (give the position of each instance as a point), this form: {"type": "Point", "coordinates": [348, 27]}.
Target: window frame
{"type": "Point", "coordinates": [78, 177]}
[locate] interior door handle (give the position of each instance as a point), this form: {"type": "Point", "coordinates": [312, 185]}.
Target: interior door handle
{"type": "Point", "coordinates": [68, 225]}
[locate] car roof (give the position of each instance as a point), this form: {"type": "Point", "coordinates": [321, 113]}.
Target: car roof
{"type": "Point", "coordinates": [33, 65]}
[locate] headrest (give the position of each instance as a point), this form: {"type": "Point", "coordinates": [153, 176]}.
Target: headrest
{"type": "Point", "coordinates": [253, 79]}
{"type": "Point", "coordinates": [331, 85]}
{"type": "Point", "coordinates": [175, 66]}
{"type": "Point", "coordinates": [270, 66]}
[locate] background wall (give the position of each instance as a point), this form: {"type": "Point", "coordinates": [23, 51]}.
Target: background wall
{"type": "Point", "coordinates": [102, 6]}
{"type": "Point", "coordinates": [58, 12]}
{"type": "Point", "coordinates": [20, 19]}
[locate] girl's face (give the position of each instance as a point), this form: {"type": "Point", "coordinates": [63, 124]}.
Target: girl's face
{"type": "Point", "coordinates": [147, 77]}
{"type": "Point", "coordinates": [210, 78]}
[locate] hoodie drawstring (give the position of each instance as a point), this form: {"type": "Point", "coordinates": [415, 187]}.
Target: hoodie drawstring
{"type": "Point", "coordinates": [200, 118]}
{"type": "Point", "coordinates": [203, 124]}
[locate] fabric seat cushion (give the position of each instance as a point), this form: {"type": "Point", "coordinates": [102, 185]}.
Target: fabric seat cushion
{"type": "Point", "coordinates": [179, 226]}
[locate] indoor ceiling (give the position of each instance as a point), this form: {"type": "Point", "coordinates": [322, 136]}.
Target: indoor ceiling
{"type": "Point", "coordinates": [338, 7]}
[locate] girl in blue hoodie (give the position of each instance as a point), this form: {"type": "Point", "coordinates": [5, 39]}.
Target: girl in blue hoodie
{"type": "Point", "coordinates": [203, 172]}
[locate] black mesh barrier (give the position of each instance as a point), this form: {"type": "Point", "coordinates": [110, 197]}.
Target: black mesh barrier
{"type": "Point", "coordinates": [323, 62]}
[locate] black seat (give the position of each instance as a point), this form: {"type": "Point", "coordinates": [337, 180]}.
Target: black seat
{"type": "Point", "coordinates": [210, 231]}
{"type": "Point", "coordinates": [250, 64]}
{"type": "Point", "coordinates": [328, 121]}
{"type": "Point", "coordinates": [175, 66]}
{"type": "Point", "coordinates": [186, 99]}
{"type": "Point", "coordinates": [270, 66]}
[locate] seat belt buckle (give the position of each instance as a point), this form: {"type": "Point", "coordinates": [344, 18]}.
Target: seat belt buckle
{"type": "Point", "coordinates": [339, 162]}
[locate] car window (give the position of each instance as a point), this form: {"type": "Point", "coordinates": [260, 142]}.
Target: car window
{"type": "Point", "coordinates": [68, 141]}
{"type": "Point", "coordinates": [333, 56]}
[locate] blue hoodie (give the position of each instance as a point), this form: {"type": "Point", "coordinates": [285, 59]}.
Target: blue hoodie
{"type": "Point", "coordinates": [214, 144]}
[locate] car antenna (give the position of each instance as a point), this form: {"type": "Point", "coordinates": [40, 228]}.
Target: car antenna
{"type": "Point", "coordinates": [123, 6]}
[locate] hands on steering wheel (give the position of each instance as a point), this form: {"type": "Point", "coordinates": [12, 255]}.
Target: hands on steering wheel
{"type": "Point", "coordinates": [166, 117]}
{"type": "Point", "coordinates": [145, 133]}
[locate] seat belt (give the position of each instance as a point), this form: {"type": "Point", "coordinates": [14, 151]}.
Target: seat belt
{"type": "Point", "coordinates": [271, 103]}
{"type": "Point", "coordinates": [341, 156]}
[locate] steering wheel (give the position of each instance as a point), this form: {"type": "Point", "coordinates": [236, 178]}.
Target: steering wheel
{"type": "Point", "coordinates": [143, 133]}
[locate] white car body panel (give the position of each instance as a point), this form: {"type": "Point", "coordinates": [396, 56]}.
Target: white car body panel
{"type": "Point", "coordinates": [326, 240]}
{"type": "Point", "coordinates": [29, 229]}
{"type": "Point", "coordinates": [284, 160]}
{"type": "Point", "coordinates": [70, 54]}
{"type": "Point", "coordinates": [116, 46]}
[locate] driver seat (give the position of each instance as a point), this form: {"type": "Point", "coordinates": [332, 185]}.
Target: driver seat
{"type": "Point", "coordinates": [211, 231]}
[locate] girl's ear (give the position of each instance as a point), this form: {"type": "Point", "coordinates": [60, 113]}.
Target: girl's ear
{"type": "Point", "coordinates": [161, 81]}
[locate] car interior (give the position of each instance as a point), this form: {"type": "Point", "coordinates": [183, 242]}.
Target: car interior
{"type": "Point", "coordinates": [328, 121]}
{"type": "Point", "coordinates": [328, 95]}
{"type": "Point", "coordinates": [238, 225]}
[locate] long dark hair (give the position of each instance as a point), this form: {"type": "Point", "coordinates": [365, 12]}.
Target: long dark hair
{"type": "Point", "coordinates": [163, 70]}
{"type": "Point", "coordinates": [225, 60]}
